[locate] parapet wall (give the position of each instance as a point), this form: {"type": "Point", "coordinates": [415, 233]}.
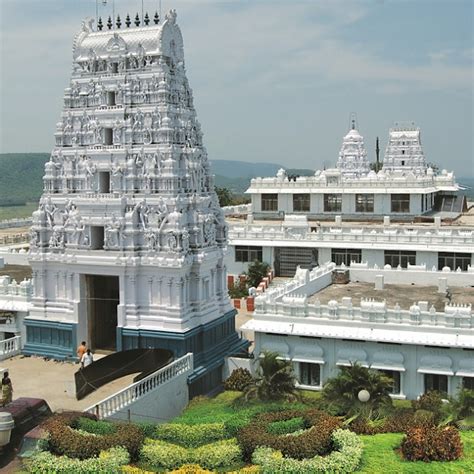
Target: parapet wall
{"type": "Point", "coordinates": [414, 274]}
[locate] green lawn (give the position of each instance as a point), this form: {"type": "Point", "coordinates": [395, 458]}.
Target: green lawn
{"type": "Point", "coordinates": [380, 456]}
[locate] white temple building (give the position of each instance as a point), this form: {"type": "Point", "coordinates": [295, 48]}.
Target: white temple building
{"type": "Point", "coordinates": [127, 246]}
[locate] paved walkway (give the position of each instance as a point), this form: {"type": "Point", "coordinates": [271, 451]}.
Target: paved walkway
{"type": "Point", "coordinates": [54, 382]}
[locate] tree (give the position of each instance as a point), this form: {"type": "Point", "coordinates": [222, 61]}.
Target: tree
{"type": "Point", "coordinates": [274, 380]}
{"type": "Point", "coordinates": [256, 271]}
{"type": "Point", "coordinates": [341, 392]}
{"type": "Point", "coordinates": [224, 196]}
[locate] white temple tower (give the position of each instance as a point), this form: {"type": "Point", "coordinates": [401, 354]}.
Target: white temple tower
{"type": "Point", "coordinates": [128, 242]}
{"type": "Point", "coordinates": [352, 161]}
{"type": "Point", "coordinates": [404, 152]}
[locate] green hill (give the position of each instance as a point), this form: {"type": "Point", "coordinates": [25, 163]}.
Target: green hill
{"type": "Point", "coordinates": [21, 177]}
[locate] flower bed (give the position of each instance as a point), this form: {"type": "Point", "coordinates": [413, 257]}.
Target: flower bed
{"type": "Point", "coordinates": [345, 458]}
{"type": "Point", "coordinates": [190, 436]}
{"type": "Point", "coordinates": [158, 455]}
{"type": "Point", "coordinates": [107, 462]}
{"type": "Point", "coordinates": [315, 438]}
{"type": "Point", "coordinates": [65, 439]}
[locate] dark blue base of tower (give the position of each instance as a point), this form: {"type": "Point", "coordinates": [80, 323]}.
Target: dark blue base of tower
{"type": "Point", "coordinates": [210, 344]}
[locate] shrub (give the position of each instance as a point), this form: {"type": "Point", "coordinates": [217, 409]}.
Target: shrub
{"type": "Point", "coordinates": [190, 436]}
{"type": "Point", "coordinates": [238, 380]}
{"type": "Point", "coordinates": [162, 455]}
{"type": "Point", "coordinates": [134, 470]}
{"type": "Point", "coordinates": [191, 469]}
{"type": "Point", "coordinates": [464, 403]}
{"type": "Point", "coordinates": [286, 426]}
{"type": "Point", "coordinates": [147, 428]}
{"type": "Point", "coordinates": [64, 439]}
{"type": "Point", "coordinates": [429, 401]}
{"type": "Point", "coordinates": [256, 272]}
{"type": "Point", "coordinates": [431, 443]}
{"type": "Point", "coordinates": [95, 426]}
{"type": "Point", "coordinates": [234, 425]}
{"type": "Point", "coordinates": [345, 458]}
{"type": "Point", "coordinates": [311, 442]}
{"type": "Point", "coordinates": [107, 462]}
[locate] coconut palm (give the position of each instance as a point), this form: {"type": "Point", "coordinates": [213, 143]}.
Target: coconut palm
{"type": "Point", "coordinates": [341, 392]}
{"type": "Point", "coordinates": [274, 380]}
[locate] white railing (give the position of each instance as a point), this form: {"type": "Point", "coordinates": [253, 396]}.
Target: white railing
{"type": "Point", "coordinates": [373, 235]}
{"type": "Point", "coordinates": [241, 209]}
{"type": "Point", "coordinates": [137, 390]}
{"type": "Point", "coordinates": [10, 347]}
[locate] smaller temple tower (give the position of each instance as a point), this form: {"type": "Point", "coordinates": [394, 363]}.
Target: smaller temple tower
{"type": "Point", "coordinates": [404, 152]}
{"type": "Point", "coordinates": [352, 161]}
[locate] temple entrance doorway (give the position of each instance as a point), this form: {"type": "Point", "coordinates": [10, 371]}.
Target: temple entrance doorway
{"type": "Point", "coordinates": [103, 297]}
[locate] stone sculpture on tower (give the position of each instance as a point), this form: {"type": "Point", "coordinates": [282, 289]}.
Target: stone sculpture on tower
{"type": "Point", "coordinates": [127, 246]}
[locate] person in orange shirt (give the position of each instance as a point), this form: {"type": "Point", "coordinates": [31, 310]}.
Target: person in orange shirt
{"type": "Point", "coordinates": [81, 350]}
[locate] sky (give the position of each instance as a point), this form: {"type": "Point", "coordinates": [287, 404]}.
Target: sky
{"type": "Point", "coordinates": [273, 81]}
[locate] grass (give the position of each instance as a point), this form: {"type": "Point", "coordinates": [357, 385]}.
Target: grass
{"type": "Point", "coordinates": [379, 456]}
{"type": "Point", "coordinates": [13, 212]}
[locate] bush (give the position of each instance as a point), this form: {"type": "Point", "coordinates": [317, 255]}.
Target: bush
{"type": "Point", "coordinates": [256, 272]}
{"type": "Point", "coordinates": [191, 469]}
{"type": "Point", "coordinates": [64, 439]}
{"type": "Point", "coordinates": [134, 470]}
{"type": "Point", "coordinates": [147, 428]}
{"type": "Point", "coordinates": [238, 380]}
{"type": "Point", "coordinates": [345, 458]}
{"type": "Point", "coordinates": [429, 401]}
{"type": "Point", "coordinates": [107, 462]}
{"type": "Point", "coordinates": [162, 455]}
{"type": "Point", "coordinates": [190, 436]}
{"type": "Point", "coordinates": [286, 426]}
{"type": "Point", "coordinates": [97, 427]}
{"type": "Point", "coordinates": [431, 443]}
{"type": "Point", "coordinates": [311, 442]}
{"type": "Point", "coordinates": [234, 425]}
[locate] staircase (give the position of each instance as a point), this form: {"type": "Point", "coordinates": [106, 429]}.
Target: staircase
{"type": "Point", "coordinates": [131, 401]}
{"type": "Point", "coordinates": [10, 347]}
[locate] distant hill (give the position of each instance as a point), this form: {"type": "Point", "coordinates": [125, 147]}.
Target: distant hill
{"type": "Point", "coordinates": [21, 176]}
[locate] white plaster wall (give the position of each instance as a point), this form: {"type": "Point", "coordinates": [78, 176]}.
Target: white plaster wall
{"type": "Point", "coordinates": [373, 257]}
{"type": "Point", "coordinates": [430, 259]}
{"type": "Point", "coordinates": [15, 258]}
{"type": "Point", "coordinates": [160, 405]}
{"type": "Point", "coordinates": [233, 363]}
{"type": "Point", "coordinates": [412, 381]}
{"type": "Point", "coordinates": [324, 255]}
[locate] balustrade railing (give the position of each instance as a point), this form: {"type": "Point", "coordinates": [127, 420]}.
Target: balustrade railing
{"type": "Point", "coordinates": [137, 390]}
{"type": "Point", "coordinates": [10, 347]}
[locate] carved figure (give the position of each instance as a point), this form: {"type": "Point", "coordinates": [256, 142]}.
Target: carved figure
{"type": "Point", "coordinates": [141, 211]}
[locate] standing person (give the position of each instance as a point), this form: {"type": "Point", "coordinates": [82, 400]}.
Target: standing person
{"type": "Point", "coordinates": [81, 350]}
{"type": "Point", "coordinates": [7, 389]}
{"type": "Point", "coordinates": [87, 359]}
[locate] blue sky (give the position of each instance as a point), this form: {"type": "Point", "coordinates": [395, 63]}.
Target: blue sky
{"type": "Point", "coordinates": [274, 81]}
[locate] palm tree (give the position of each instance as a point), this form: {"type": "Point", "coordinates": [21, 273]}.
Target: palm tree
{"type": "Point", "coordinates": [341, 392]}
{"type": "Point", "coordinates": [274, 380]}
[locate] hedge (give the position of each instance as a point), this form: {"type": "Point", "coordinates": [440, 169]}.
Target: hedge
{"type": "Point", "coordinates": [107, 462]}
{"type": "Point", "coordinates": [345, 458]}
{"type": "Point", "coordinates": [307, 444]}
{"type": "Point", "coordinates": [432, 443]}
{"type": "Point", "coordinates": [190, 436]}
{"type": "Point", "coordinates": [65, 440]}
{"type": "Point", "coordinates": [157, 454]}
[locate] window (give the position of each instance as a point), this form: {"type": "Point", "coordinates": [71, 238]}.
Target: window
{"type": "Point", "coordinates": [301, 202]}
{"type": "Point", "coordinates": [332, 202]}
{"type": "Point", "coordinates": [111, 98]}
{"type": "Point", "coordinates": [346, 256]}
{"type": "Point", "coordinates": [310, 374]}
{"type": "Point", "coordinates": [97, 238]}
{"type": "Point", "coordinates": [400, 257]}
{"type": "Point", "coordinates": [395, 376]}
{"type": "Point", "coordinates": [403, 152]}
{"type": "Point", "coordinates": [364, 203]}
{"type": "Point", "coordinates": [400, 202]}
{"type": "Point", "coordinates": [108, 136]}
{"type": "Point", "coordinates": [269, 202]}
{"type": "Point", "coordinates": [436, 382]}
{"type": "Point", "coordinates": [468, 383]}
{"type": "Point", "coordinates": [115, 68]}
{"type": "Point", "coordinates": [454, 260]}
{"type": "Point", "coordinates": [104, 182]}
{"type": "Point", "coordinates": [245, 253]}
